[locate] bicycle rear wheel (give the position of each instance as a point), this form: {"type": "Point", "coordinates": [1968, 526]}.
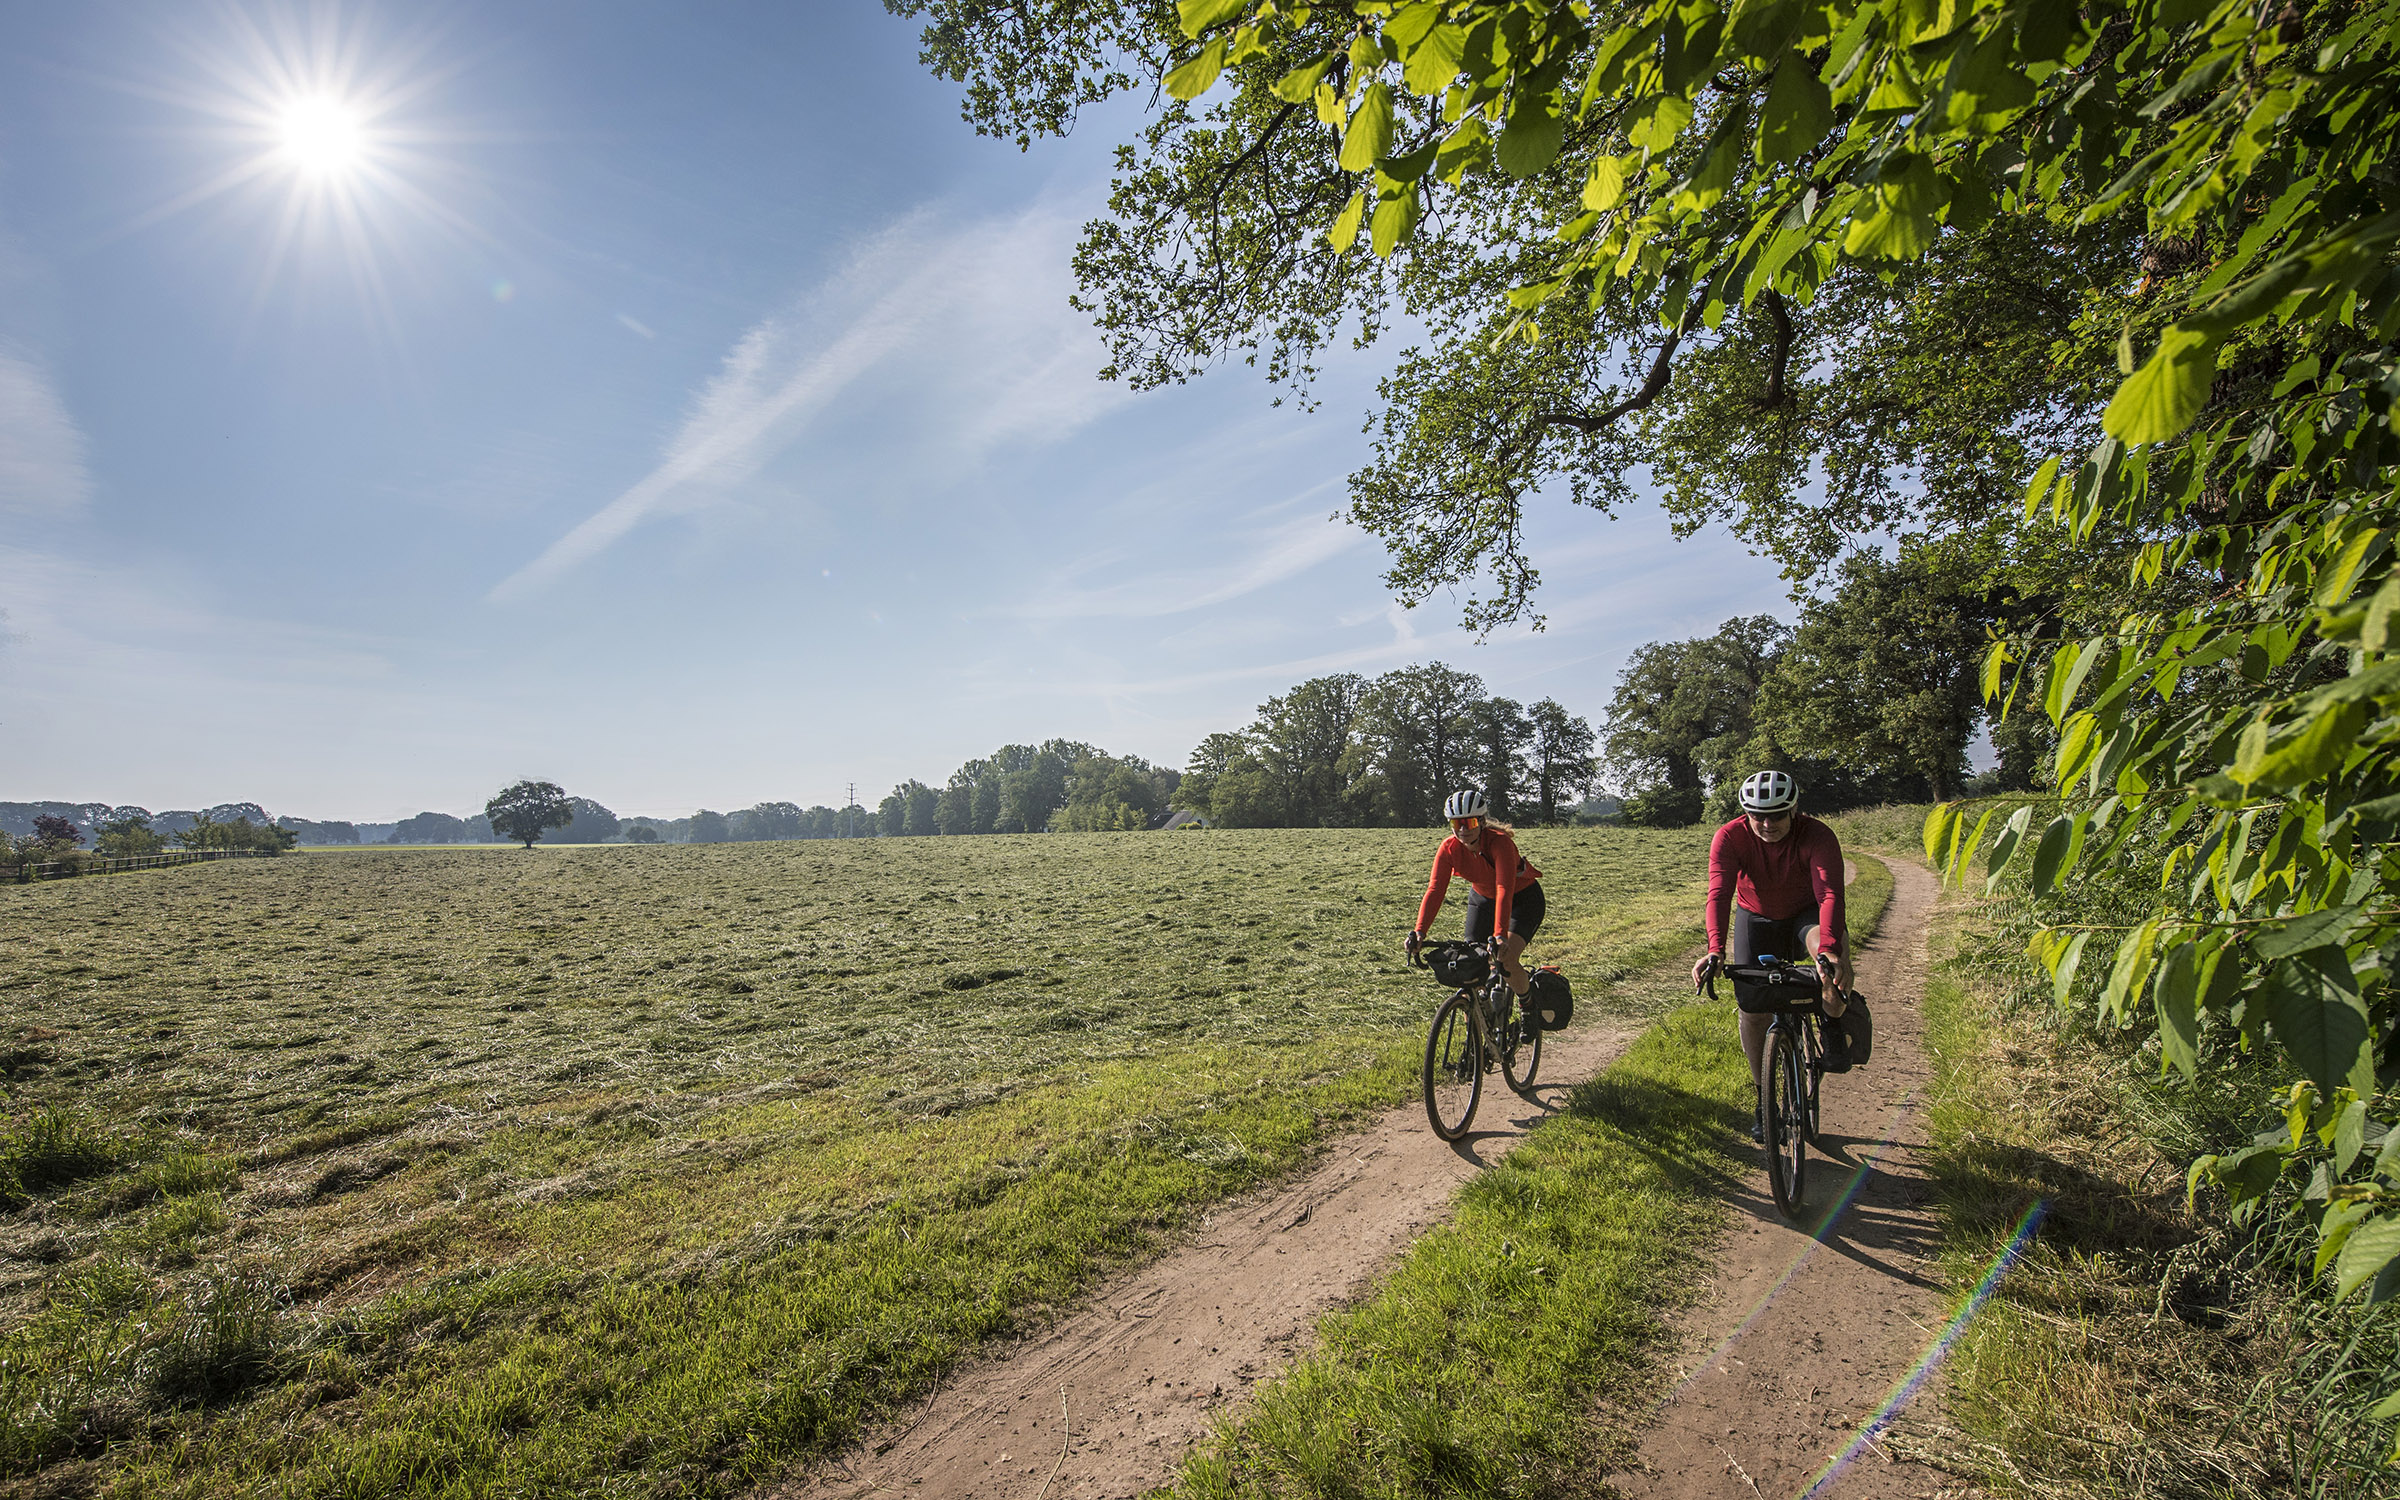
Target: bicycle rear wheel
{"type": "Point", "coordinates": [1786, 1121]}
{"type": "Point", "coordinates": [1453, 1067]}
{"type": "Point", "coordinates": [1520, 1049]}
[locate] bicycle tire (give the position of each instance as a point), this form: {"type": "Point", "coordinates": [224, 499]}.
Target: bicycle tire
{"type": "Point", "coordinates": [1453, 1067]}
{"type": "Point", "coordinates": [1520, 1051]}
{"type": "Point", "coordinates": [1786, 1123]}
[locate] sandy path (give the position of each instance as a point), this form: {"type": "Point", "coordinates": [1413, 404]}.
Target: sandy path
{"type": "Point", "coordinates": [1146, 1363]}
{"type": "Point", "coordinates": [1804, 1336]}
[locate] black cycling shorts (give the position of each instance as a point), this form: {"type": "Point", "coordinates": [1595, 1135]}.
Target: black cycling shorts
{"type": "Point", "coordinates": [1794, 939]}
{"type": "Point", "coordinates": [1524, 913]}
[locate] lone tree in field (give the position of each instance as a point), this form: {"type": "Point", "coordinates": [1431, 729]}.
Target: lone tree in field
{"type": "Point", "coordinates": [529, 809]}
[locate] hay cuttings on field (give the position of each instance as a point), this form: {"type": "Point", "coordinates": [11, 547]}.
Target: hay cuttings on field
{"type": "Point", "coordinates": [389, 1163]}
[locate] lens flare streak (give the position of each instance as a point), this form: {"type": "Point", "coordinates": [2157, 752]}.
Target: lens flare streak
{"type": "Point", "coordinates": [1840, 1205]}
{"type": "Point", "coordinates": [1926, 1364]}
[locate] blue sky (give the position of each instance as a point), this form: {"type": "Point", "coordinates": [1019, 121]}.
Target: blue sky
{"type": "Point", "coordinates": [675, 402]}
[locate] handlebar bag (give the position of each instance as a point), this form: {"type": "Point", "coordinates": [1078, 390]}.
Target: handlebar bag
{"type": "Point", "coordinates": [1550, 1002]}
{"type": "Point", "coordinates": [1790, 990]}
{"type": "Point", "coordinates": [1457, 963]}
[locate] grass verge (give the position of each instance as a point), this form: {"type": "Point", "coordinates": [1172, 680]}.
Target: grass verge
{"type": "Point", "coordinates": [1498, 1357]}
{"type": "Point", "coordinates": [2137, 1350]}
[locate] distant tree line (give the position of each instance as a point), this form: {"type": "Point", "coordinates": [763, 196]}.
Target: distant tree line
{"type": "Point", "coordinates": [1872, 697]}
{"type": "Point", "coordinates": [1354, 752]}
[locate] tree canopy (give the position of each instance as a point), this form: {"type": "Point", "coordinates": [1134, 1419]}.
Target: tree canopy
{"type": "Point", "coordinates": [529, 809]}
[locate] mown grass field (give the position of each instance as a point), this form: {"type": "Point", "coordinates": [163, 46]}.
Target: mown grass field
{"type": "Point", "coordinates": [645, 1170]}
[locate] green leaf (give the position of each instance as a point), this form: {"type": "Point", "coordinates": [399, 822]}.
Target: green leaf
{"type": "Point", "coordinates": [2369, 1249]}
{"type": "Point", "coordinates": [1606, 187]}
{"type": "Point", "coordinates": [1369, 135]}
{"type": "Point", "coordinates": [1534, 134]}
{"type": "Point", "coordinates": [2311, 1002]}
{"type": "Point", "coordinates": [2076, 747]}
{"type": "Point", "coordinates": [1395, 220]}
{"type": "Point", "coordinates": [1300, 85]}
{"type": "Point", "coordinates": [2067, 671]}
{"type": "Point", "coordinates": [1964, 849]}
{"type": "Point", "coordinates": [1345, 225]}
{"type": "Point", "coordinates": [1941, 826]}
{"type": "Point", "coordinates": [1410, 24]}
{"type": "Point", "coordinates": [2334, 587]}
{"type": "Point", "coordinates": [2043, 478]}
{"type": "Point", "coordinates": [2050, 855]}
{"type": "Point", "coordinates": [1199, 15]}
{"type": "Point", "coordinates": [2062, 978]}
{"type": "Point", "coordinates": [2375, 633]}
{"type": "Point", "coordinates": [1193, 79]}
{"type": "Point", "coordinates": [2316, 747]}
{"type": "Point", "coordinates": [2177, 996]}
{"type": "Point", "coordinates": [2329, 928]}
{"type": "Point", "coordinates": [2004, 848]}
{"type": "Point", "coordinates": [2125, 978]}
{"type": "Point", "coordinates": [2349, 1135]}
{"type": "Point", "coordinates": [2160, 399]}
{"type": "Point", "coordinates": [1436, 60]}
{"type": "Point", "coordinates": [1798, 112]}
{"type": "Point", "coordinates": [1658, 120]}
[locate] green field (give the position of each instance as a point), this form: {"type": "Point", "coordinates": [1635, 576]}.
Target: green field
{"type": "Point", "coordinates": [648, 1169]}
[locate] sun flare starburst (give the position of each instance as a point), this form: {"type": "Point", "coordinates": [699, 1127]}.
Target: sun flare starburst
{"type": "Point", "coordinates": [322, 137]}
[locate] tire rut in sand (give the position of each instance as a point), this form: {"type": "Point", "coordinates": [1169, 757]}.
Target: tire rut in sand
{"type": "Point", "coordinates": [1109, 1399]}
{"type": "Point", "coordinates": [1807, 1329]}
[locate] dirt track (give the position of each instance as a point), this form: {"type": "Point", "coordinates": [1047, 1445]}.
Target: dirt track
{"type": "Point", "coordinates": [1799, 1341]}
{"type": "Point", "coordinates": [1143, 1367]}
{"type": "Point", "coordinates": [1808, 1328]}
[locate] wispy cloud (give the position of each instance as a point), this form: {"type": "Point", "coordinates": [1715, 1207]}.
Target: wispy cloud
{"type": "Point", "coordinates": [1258, 561]}
{"type": "Point", "coordinates": [976, 309]}
{"type": "Point", "coordinates": [41, 449]}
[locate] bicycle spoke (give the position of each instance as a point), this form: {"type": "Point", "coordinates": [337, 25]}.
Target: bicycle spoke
{"type": "Point", "coordinates": [1453, 1068]}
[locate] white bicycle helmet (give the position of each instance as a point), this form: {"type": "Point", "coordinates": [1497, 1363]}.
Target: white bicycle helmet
{"type": "Point", "coordinates": [1770, 792]}
{"type": "Point", "coordinates": [1466, 804]}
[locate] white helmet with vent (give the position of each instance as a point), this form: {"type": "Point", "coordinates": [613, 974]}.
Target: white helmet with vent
{"type": "Point", "coordinates": [1466, 804]}
{"type": "Point", "coordinates": [1770, 792]}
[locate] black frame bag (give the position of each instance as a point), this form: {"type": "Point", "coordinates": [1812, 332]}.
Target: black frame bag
{"type": "Point", "coordinates": [1550, 1002]}
{"type": "Point", "coordinates": [1457, 964]}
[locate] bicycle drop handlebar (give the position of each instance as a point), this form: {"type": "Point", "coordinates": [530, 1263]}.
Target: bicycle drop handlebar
{"type": "Point", "coordinates": [1769, 969]}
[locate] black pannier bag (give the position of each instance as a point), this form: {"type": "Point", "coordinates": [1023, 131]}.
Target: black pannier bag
{"type": "Point", "coordinates": [1457, 963]}
{"type": "Point", "coordinates": [1550, 1002]}
{"type": "Point", "coordinates": [1789, 989]}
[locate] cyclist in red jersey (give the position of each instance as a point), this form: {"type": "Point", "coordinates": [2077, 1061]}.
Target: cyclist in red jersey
{"type": "Point", "coordinates": [1507, 895]}
{"type": "Point", "coordinates": [1780, 872]}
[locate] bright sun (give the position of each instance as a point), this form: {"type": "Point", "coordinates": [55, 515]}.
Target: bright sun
{"type": "Point", "coordinates": [321, 136]}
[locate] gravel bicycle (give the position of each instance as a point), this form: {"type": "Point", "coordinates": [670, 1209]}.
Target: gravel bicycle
{"type": "Point", "coordinates": [1794, 1065]}
{"type": "Point", "coordinates": [1478, 1029]}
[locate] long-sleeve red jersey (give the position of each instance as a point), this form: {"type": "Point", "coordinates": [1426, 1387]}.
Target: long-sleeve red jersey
{"type": "Point", "coordinates": [1477, 866]}
{"type": "Point", "coordinates": [1778, 881]}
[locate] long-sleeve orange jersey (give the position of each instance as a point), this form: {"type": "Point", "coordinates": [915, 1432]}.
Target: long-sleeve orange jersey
{"type": "Point", "coordinates": [1497, 852]}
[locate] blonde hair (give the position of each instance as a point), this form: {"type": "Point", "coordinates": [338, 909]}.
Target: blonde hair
{"type": "Point", "coordinates": [1494, 825]}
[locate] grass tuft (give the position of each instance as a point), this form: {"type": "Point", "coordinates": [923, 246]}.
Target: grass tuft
{"type": "Point", "coordinates": [48, 1150]}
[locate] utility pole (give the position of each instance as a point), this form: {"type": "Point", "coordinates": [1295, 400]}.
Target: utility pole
{"type": "Point", "coordinates": [850, 818]}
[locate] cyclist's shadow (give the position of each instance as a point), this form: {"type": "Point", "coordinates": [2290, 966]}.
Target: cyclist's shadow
{"type": "Point", "coordinates": [1522, 1112]}
{"type": "Point", "coordinates": [1856, 1207]}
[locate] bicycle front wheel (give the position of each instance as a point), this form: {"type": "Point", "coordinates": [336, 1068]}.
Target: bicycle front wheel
{"type": "Point", "coordinates": [1453, 1067]}
{"type": "Point", "coordinates": [1521, 1050]}
{"type": "Point", "coordinates": [1786, 1121]}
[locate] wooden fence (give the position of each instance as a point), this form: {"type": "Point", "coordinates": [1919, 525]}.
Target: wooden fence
{"type": "Point", "coordinates": [61, 869]}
